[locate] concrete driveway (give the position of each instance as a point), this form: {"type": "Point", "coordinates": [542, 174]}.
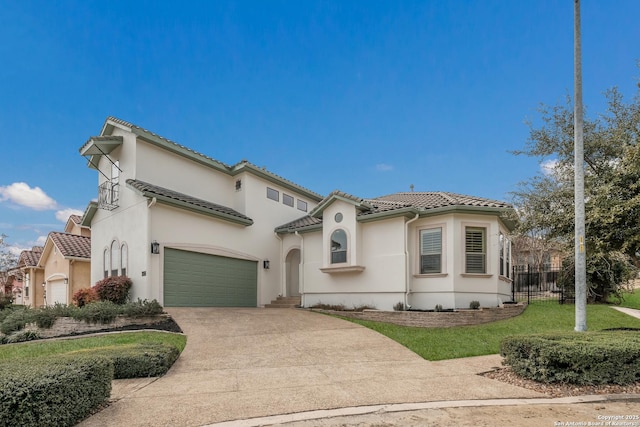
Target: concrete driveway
{"type": "Point", "coordinates": [246, 363]}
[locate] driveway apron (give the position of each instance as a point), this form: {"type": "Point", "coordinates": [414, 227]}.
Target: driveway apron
{"type": "Point", "coordinates": [243, 363]}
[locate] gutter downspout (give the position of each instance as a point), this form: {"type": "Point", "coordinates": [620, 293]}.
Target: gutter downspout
{"type": "Point", "coordinates": [282, 267]}
{"type": "Point", "coordinates": [151, 274]}
{"type": "Point", "coordinates": [407, 273]}
{"type": "Point", "coordinates": [301, 270]}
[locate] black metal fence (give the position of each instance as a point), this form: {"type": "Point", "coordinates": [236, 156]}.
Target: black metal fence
{"type": "Point", "coordinates": [540, 285]}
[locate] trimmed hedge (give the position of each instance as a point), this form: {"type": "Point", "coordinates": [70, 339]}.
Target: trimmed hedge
{"type": "Point", "coordinates": [56, 391]}
{"type": "Point", "coordinates": [137, 360]}
{"type": "Point", "coordinates": [576, 358]}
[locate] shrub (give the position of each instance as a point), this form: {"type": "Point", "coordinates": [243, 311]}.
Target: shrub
{"type": "Point", "coordinates": [474, 305]}
{"type": "Point", "coordinates": [115, 289]}
{"type": "Point", "coordinates": [399, 306]}
{"type": "Point", "coordinates": [84, 296]}
{"type": "Point", "coordinates": [137, 360]}
{"type": "Point", "coordinates": [142, 308]}
{"type": "Point", "coordinates": [21, 336]}
{"type": "Point", "coordinates": [16, 320]}
{"type": "Point", "coordinates": [5, 301]}
{"type": "Point", "coordinates": [577, 358]}
{"type": "Point", "coordinates": [58, 390]}
{"type": "Point", "coordinates": [98, 312]}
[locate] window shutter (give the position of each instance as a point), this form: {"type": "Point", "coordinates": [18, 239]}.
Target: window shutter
{"type": "Point", "coordinates": [431, 251]}
{"type": "Point", "coordinates": [475, 250]}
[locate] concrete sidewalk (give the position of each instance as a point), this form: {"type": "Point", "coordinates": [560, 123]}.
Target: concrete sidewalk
{"type": "Point", "coordinates": [249, 363]}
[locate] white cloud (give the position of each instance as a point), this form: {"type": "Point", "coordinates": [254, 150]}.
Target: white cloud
{"type": "Point", "coordinates": [41, 241]}
{"type": "Point", "coordinates": [64, 214]}
{"type": "Point", "coordinates": [21, 194]}
{"type": "Point", "coordinates": [383, 167]}
{"type": "Point", "coordinates": [548, 167]}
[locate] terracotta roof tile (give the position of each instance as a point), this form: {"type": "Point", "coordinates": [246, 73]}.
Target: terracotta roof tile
{"type": "Point", "coordinates": [161, 191]}
{"type": "Point", "coordinates": [437, 199]}
{"type": "Point", "coordinates": [30, 258]}
{"type": "Point", "coordinates": [305, 221]}
{"type": "Point", "coordinates": [72, 245]}
{"type": "Point", "coordinates": [421, 201]}
{"type": "Point", "coordinates": [76, 218]}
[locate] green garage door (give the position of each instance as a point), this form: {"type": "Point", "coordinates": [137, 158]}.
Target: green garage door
{"type": "Point", "coordinates": [193, 279]}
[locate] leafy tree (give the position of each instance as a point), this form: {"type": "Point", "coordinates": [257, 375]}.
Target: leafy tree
{"type": "Point", "coordinates": [8, 259]}
{"type": "Point", "coordinates": [545, 203]}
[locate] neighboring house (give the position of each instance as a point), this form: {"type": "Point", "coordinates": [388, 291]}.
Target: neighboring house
{"type": "Point", "coordinates": [536, 253]}
{"type": "Point", "coordinates": [11, 284]}
{"type": "Point", "coordinates": [33, 277]}
{"type": "Point", "coordinates": [62, 267]}
{"type": "Point", "coordinates": [192, 231]}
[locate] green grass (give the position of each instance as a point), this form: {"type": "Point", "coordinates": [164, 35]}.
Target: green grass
{"type": "Point", "coordinates": [45, 348]}
{"type": "Point", "coordinates": [478, 340]}
{"type": "Point", "coordinates": [631, 300]}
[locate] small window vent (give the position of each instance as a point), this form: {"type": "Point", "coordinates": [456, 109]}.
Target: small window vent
{"type": "Point", "coordinates": [239, 185]}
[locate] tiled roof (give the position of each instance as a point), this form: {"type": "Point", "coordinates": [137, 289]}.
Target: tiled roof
{"type": "Point", "coordinates": [76, 218]}
{"type": "Point", "coordinates": [181, 197]}
{"type": "Point", "coordinates": [72, 245]}
{"type": "Point", "coordinates": [420, 201]}
{"type": "Point", "coordinates": [305, 221]}
{"type": "Point", "coordinates": [31, 258]}
{"type": "Point", "coordinates": [438, 199]}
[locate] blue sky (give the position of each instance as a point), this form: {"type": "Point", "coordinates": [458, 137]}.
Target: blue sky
{"type": "Point", "coordinates": [367, 97]}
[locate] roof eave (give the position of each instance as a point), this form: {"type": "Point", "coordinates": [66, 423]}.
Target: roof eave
{"type": "Point", "coordinates": [194, 208]}
{"type": "Point", "coordinates": [317, 211]}
{"type": "Point", "coordinates": [88, 214]}
{"type": "Point", "coordinates": [304, 229]}
{"type": "Point", "coordinates": [406, 212]}
{"type": "Point", "coordinates": [265, 174]}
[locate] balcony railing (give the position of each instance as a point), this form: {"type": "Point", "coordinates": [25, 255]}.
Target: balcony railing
{"type": "Point", "coordinates": [108, 193]}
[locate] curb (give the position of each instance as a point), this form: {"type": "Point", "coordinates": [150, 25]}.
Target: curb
{"type": "Point", "coordinates": [403, 407]}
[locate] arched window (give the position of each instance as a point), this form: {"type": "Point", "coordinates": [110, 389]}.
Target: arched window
{"type": "Point", "coordinates": [124, 253]}
{"type": "Point", "coordinates": [115, 257]}
{"type": "Point", "coordinates": [338, 247]}
{"type": "Point", "coordinates": [105, 263]}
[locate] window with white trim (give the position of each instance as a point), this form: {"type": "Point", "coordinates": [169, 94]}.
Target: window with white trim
{"type": "Point", "coordinates": [338, 247]}
{"type": "Point", "coordinates": [106, 263]}
{"type": "Point", "coordinates": [287, 199]}
{"type": "Point", "coordinates": [124, 255]}
{"type": "Point", "coordinates": [505, 256]}
{"type": "Point", "coordinates": [302, 205]}
{"type": "Point", "coordinates": [475, 248]}
{"type": "Point", "coordinates": [431, 251]}
{"type": "Point", "coordinates": [115, 257]}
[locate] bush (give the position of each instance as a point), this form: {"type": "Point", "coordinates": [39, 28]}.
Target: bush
{"type": "Point", "coordinates": [115, 289]}
{"type": "Point", "coordinates": [142, 308]}
{"type": "Point", "coordinates": [53, 391]}
{"type": "Point", "coordinates": [474, 305]}
{"type": "Point", "coordinates": [399, 306]}
{"type": "Point", "coordinates": [577, 358]}
{"type": "Point", "coordinates": [84, 296]}
{"type": "Point", "coordinates": [16, 320]}
{"type": "Point", "coordinates": [5, 301]}
{"type": "Point", "coordinates": [137, 360]}
{"type": "Point", "coordinates": [98, 312]}
{"type": "Point", "coordinates": [21, 336]}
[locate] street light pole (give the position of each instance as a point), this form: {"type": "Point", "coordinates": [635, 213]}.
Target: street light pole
{"type": "Point", "coordinates": [580, 244]}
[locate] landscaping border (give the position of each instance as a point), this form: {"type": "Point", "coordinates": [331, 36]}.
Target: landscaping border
{"type": "Point", "coordinates": [435, 319]}
{"type": "Point", "coordinates": [65, 326]}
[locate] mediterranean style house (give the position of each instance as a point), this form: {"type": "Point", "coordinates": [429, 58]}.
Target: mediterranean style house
{"type": "Point", "coordinates": [53, 272]}
{"type": "Point", "coordinates": [192, 231]}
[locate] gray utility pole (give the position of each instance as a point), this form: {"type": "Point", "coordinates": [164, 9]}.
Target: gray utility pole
{"type": "Point", "coordinates": [580, 244]}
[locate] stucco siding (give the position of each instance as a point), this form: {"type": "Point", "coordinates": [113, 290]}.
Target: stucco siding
{"type": "Point", "coordinates": [179, 229]}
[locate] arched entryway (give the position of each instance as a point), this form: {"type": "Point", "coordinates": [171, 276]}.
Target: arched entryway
{"type": "Point", "coordinates": [292, 272]}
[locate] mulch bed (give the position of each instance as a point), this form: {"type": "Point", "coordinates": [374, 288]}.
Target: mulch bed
{"type": "Point", "coordinates": [560, 389]}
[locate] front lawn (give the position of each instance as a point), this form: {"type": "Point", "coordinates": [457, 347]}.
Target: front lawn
{"type": "Point", "coordinates": [45, 348]}
{"type": "Point", "coordinates": [631, 300]}
{"type": "Point", "coordinates": [478, 340]}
